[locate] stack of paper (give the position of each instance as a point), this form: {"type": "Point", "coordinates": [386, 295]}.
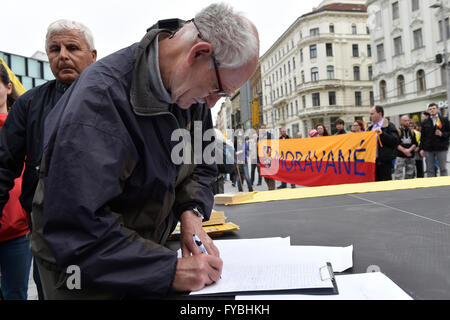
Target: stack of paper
{"type": "Point", "coordinates": [364, 286]}
{"type": "Point", "coordinates": [272, 264]}
{"type": "Point", "coordinates": [232, 198]}
{"type": "Point", "coordinates": [214, 227]}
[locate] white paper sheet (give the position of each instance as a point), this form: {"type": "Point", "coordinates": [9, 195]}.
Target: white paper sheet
{"type": "Point", "coordinates": [341, 258]}
{"type": "Point", "coordinates": [278, 275]}
{"type": "Point", "coordinates": [364, 286]}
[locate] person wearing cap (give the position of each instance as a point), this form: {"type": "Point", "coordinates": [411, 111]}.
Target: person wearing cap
{"type": "Point", "coordinates": [111, 189]}
{"type": "Point", "coordinates": [70, 49]}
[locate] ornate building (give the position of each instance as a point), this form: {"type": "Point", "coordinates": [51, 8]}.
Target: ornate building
{"type": "Point", "coordinates": [319, 70]}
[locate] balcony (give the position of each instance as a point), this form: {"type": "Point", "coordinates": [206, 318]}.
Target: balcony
{"type": "Point", "coordinates": [319, 85]}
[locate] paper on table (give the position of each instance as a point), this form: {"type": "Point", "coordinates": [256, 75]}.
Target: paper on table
{"type": "Point", "coordinates": [364, 286]}
{"type": "Point", "coordinates": [341, 258]}
{"type": "Point", "coordinates": [262, 277]}
{"type": "Point", "coordinates": [230, 249]}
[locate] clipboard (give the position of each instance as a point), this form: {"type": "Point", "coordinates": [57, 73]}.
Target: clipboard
{"type": "Point", "coordinates": [326, 273]}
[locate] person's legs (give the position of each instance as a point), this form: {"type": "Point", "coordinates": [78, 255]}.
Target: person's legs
{"type": "Point", "coordinates": [399, 166]}
{"type": "Point", "coordinates": [442, 159]}
{"type": "Point", "coordinates": [429, 162]}
{"type": "Point", "coordinates": [410, 166]}
{"type": "Point", "coordinates": [15, 263]}
{"type": "Point", "coordinates": [247, 178]}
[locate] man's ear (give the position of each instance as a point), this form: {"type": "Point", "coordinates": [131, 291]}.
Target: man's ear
{"type": "Point", "coordinates": [200, 50]}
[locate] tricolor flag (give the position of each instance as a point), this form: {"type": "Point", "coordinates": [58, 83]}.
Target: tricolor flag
{"type": "Point", "coordinates": [346, 158]}
{"type": "Point", "coordinates": [17, 84]}
{"type": "Point", "coordinates": [438, 122]}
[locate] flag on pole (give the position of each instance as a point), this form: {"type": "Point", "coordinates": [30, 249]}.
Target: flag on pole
{"type": "Point", "coordinates": [17, 84]}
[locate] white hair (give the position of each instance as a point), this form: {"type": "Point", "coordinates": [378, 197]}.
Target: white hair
{"type": "Point", "coordinates": [66, 25]}
{"type": "Point", "coordinates": [232, 36]}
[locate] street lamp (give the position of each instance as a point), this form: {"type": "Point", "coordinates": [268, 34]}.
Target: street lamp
{"type": "Point", "coordinates": [440, 6]}
{"type": "Point", "coordinates": [271, 101]}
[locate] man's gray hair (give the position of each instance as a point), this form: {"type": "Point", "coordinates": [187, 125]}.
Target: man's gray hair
{"type": "Point", "coordinates": [232, 36]}
{"type": "Point", "coordinates": [67, 25]}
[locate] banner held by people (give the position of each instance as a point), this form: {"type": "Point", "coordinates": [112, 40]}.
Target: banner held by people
{"type": "Point", "coordinates": [348, 158]}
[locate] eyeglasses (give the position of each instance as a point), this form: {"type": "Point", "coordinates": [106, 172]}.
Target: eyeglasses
{"type": "Point", "coordinates": [219, 91]}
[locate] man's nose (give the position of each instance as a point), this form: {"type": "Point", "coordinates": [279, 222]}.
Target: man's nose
{"type": "Point", "coordinates": [63, 53]}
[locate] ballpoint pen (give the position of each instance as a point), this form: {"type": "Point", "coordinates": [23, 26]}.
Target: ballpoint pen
{"type": "Point", "coordinates": [199, 244]}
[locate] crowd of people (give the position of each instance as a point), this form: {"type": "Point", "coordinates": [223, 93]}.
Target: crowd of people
{"type": "Point", "coordinates": [400, 151]}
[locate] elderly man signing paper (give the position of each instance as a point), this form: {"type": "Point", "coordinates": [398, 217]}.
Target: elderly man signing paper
{"type": "Point", "coordinates": [109, 193]}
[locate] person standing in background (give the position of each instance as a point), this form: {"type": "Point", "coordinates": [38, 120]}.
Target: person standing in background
{"type": "Point", "coordinates": [15, 253]}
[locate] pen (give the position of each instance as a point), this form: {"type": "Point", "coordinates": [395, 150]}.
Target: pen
{"type": "Point", "coordinates": [199, 244]}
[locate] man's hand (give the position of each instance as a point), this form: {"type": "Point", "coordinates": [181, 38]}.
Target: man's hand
{"type": "Point", "coordinates": [195, 272]}
{"type": "Point", "coordinates": [192, 224]}
{"type": "Point", "coordinates": [438, 132]}
{"type": "Point", "coordinates": [422, 153]}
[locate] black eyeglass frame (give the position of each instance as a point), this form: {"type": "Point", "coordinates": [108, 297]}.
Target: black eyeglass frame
{"type": "Point", "coordinates": [220, 91]}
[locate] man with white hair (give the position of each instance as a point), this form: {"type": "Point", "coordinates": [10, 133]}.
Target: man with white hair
{"type": "Point", "coordinates": [70, 49]}
{"type": "Point", "coordinates": [109, 192]}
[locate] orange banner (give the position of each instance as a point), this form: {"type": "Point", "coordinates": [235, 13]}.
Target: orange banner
{"type": "Point", "coordinates": [347, 158]}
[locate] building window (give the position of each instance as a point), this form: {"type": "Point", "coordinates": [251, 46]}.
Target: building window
{"type": "Point", "coordinates": [398, 48]}
{"type": "Point", "coordinates": [331, 28]}
{"type": "Point", "coordinates": [356, 74]}
{"type": "Point", "coordinates": [395, 10]}
{"type": "Point", "coordinates": [441, 37]}
{"type": "Point", "coordinates": [304, 102]}
{"type": "Point", "coordinates": [330, 72]}
{"type": "Point", "coordinates": [296, 106]}
{"type": "Point", "coordinates": [378, 19]}
{"type": "Point", "coordinates": [372, 98]}
{"type": "Point", "coordinates": [301, 55]}
{"type": "Point", "coordinates": [380, 52]}
{"type": "Point", "coordinates": [18, 65]}
{"type": "Point", "coordinates": [293, 63]}
{"type": "Point", "coordinates": [358, 98]}
{"type": "Point", "coordinates": [369, 50]}
{"type": "Point", "coordinates": [421, 82]}
{"type": "Point", "coordinates": [315, 74]}
{"type": "Point", "coordinates": [400, 85]}
{"type": "Point", "coordinates": [27, 83]}
{"type": "Point", "coordinates": [316, 99]}
{"type": "Point", "coordinates": [332, 98]}
{"type": "Point", "coordinates": [34, 68]}
{"type": "Point", "coordinates": [303, 76]}
{"type": "Point", "coordinates": [329, 49]}
{"type": "Point", "coordinates": [355, 49]}
{"type": "Point", "coordinates": [418, 41]}
{"type": "Point", "coordinates": [314, 32]}
{"type": "Point", "coordinates": [382, 90]}
{"type": "Point", "coordinates": [415, 5]}
{"type": "Point", "coordinates": [313, 51]}
{"type": "Point", "coordinates": [354, 31]}
{"type": "Point", "coordinates": [370, 71]}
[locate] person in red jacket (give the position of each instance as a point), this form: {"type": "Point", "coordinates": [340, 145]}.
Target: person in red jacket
{"type": "Point", "coordinates": [15, 252]}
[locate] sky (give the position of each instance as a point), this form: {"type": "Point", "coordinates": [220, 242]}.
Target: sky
{"type": "Point", "coordinates": [116, 24]}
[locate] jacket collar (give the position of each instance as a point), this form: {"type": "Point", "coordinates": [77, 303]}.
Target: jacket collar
{"type": "Point", "coordinates": [61, 86]}
{"type": "Point", "coordinates": [142, 99]}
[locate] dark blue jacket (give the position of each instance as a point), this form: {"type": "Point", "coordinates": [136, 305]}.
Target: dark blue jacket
{"type": "Point", "coordinates": [21, 140]}
{"type": "Point", "coordinates": [109, 194]}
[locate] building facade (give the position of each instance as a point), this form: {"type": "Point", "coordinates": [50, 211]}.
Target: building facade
{"type": "Point", "coordinates": [31, 71]}
{"type": "Point", "coordinates": [319, 70]}
{"type": "Point", "coordinates": [406, 36]}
